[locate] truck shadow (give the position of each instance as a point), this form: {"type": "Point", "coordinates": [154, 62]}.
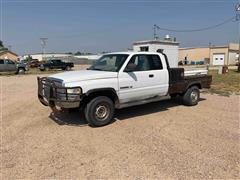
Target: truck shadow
{"type": "Point", "coordinates": [76, 117]}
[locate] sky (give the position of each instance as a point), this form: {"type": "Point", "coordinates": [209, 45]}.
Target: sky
{"type": "Point", "coordinates": [111, 25]}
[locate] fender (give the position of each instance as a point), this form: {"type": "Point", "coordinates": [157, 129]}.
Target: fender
{"type": "Point", "coordinates": [196, 83]}
{"type": "Point", "coordinates": [98, 92]}
{"type": "Point", "coordinates": [101, 90]}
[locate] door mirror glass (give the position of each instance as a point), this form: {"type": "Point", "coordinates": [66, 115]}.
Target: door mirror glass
{"type": "Point", "coordinates": [130, 67]}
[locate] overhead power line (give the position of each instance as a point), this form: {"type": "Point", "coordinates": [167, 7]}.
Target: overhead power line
{"type": "Point", "coordinates": [156, 27]}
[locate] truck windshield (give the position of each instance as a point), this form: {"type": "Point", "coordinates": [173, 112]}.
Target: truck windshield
{"type": "Point", "coordinates": [109, 62]}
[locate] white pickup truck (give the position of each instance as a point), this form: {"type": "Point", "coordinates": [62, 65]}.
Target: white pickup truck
{"type": "Point", "coordinates": [119, 80]}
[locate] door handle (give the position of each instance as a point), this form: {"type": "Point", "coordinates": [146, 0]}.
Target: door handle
{"type": "Point", "coordinates": [151, 75]}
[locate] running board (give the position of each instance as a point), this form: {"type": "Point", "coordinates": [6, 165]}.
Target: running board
{"type": "Point", "coordinates": [145, 101]}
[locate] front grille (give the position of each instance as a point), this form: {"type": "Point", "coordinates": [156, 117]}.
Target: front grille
{"type": "Point", "coordinates": [52, 90]}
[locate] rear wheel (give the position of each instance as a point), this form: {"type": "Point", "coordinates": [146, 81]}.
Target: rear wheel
{"type": "Point", "coordinates": [173, 96]}
{"type": "Point", "coordinates": [99, 111]}
{"type": "Point", "coordinates": [191, 96]}
{"type": "Point", "coordinates": [68, 68]}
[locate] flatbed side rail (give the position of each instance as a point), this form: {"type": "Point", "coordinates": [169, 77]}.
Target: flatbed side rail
{"type": "Point", "coordinates": [204, 81]}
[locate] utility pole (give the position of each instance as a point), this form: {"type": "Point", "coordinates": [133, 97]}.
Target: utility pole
{"type": "Point", "coordinates": [9, 47]}
{"type": "Point", "coordinates": [237, 19]}
{"type": "Point", "coordinates": [154, 31]}
{"type": "Point", "coordinates": [43, 44]}
{"type": "Point", "coordinates": [155, 28]}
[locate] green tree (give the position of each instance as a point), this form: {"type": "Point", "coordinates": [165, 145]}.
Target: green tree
{"type": "Point", "coordinates": [1, 44]}
{"type": "Point", "coordinates": [28, 58]}
{"type": "Point", "coordinates": [78, 53]}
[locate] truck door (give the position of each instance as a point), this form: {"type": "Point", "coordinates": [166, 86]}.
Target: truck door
{"type": "Point", "coordinates": [2, 65]}
{"type": "Point", "coordinates": [58, 64]}
{"type": "Point", "coordinates": [10, 65]}
{"type": "Point", "coordinates": [147, 80]}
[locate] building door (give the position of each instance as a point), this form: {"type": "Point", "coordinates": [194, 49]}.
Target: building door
{"type": "Point", "coordinates": [218, 59]}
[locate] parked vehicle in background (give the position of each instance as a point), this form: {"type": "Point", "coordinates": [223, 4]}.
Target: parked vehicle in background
{"type": "Point", "coordinates": [26, 62]}
{"type": "Point", "coordinates": [7, 65]}
{"type": "Point", "coordinates": [34, 63]}
{"type": "Point", "coordinates": [56, 64]}
{"type": "Point", "coordinates": [119, 80]}
{"type": "Point", "coordinates": [237, 62]}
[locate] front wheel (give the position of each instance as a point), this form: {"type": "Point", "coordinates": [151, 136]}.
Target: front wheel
{"type": "Point", "coordinates": [99, 111]}
{"type": "Point", "coordinates": [191, 96]}
{"type": "Point", "coordinates": [21, 71]}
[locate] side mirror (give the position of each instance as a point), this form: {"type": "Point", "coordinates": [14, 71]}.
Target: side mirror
{"type": "Point", "coordinates": [130, 67]}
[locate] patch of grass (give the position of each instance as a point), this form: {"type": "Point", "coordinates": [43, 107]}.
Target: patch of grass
{"type": "Point", "coordinates": [37, 71]}
{"type": "Point", "coordinates": [225, 84]}
{"type": "Point", "coordinates": [32, 71]}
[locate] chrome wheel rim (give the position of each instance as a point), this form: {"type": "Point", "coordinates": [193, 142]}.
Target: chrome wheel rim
{"type": "Point", "coordinates": [101, 112]}
{"type": "Point", "coordinates": [194, 96]}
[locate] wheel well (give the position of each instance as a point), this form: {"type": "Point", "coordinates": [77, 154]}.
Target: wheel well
{"type": "Point", "coordinates": [108, 93]}
{"type": "Point", "coordinates": [191, 85]}
{"type": "Point", "coordinates": [195, 84]}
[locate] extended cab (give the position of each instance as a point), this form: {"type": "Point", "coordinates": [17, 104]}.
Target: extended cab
{"type": "Point", "coordinates": [9, 66]}
{"type": "Point", "coordinates": [56, 64]}
{"type": "Point", "coordinates": [119, 80]}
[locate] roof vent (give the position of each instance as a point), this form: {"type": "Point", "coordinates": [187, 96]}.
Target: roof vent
{"type": "Point", "coordinates": [167, 38]}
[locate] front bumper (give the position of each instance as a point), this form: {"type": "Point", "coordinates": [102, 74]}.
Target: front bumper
{"type": "Point", "coordinates": [51, 94]}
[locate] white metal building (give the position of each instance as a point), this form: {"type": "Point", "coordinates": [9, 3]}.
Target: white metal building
{"type": "Point", "coordinates": [169, 47]}
{"type": "Point", "coordinates": [41, 56]}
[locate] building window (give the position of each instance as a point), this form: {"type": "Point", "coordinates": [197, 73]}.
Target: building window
{"type": "Point", "coordinates": [144, 48]}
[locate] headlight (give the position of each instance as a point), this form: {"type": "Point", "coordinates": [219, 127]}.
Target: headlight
{"type": "Point", "coordinates": [74, 91]}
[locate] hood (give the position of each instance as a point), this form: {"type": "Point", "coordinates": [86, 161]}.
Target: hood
{"type": "Point", "coordinates": [83, 75]}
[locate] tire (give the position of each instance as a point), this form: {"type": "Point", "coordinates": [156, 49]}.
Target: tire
{"type": "Point", "coordinates": [99, 111]}
{"type": "Point", "coordinates": [21, 71]}
{"type": "Point", "coordinates": [191, 96]}
{"type": "Point", "coordinates": [173, 96]}
{"type": "Point", "coordinates": [68, 68]}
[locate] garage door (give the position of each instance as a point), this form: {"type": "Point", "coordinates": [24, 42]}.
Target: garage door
{"type": "Point", "coordinates": [218, 59]}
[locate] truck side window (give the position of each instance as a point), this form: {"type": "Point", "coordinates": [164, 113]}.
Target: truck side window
{"type": "Point", "coordinates": [141, 62]}
{"type": "Point", "coordinates": [146, 62]}
{"type": "Point", "coordinates": [156, 63]}
{"type": "Point", "coordinates": [9, 62]}
{"type": "Point", "coordinates": [58, 61]}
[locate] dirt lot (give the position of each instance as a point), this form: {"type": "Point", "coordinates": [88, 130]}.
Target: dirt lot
{"type": "Point", "coordinates": [159, 140]}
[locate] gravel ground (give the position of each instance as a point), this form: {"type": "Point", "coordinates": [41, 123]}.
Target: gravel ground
{"type": "Point", "coordinates": [159, 140]}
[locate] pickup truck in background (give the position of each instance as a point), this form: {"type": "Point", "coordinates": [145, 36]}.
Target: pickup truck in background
{"type": "Point", "coordinates": [119, 80]}
{"type": "Point", "coordinates": [7, 65]}
{"type": "Point", "coordinates": [56, 64]}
